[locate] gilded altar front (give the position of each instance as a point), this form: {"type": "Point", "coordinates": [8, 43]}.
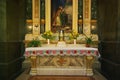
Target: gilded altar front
{"type": "Point", "coordinates": [69, 60]}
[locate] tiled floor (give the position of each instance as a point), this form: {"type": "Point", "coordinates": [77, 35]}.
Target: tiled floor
{"type": "Point", "coordinates": [53, 77]}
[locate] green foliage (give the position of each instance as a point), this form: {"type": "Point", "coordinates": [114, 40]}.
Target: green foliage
{"type": "Point", "coordinates": [89, 40]}
{"type": "Point", "coordinates": [34, 43]}
{"type": "Point", "coordinates": [73, 35]}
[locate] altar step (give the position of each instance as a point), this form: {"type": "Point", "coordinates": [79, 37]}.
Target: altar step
{"type": "Point", "coordinates": [26, 76]}
{"type": "Point", "coordinates": [61, 71]}
{"type": "Point", "coordinates": [51, 70]}
{"type": "Point", "coordinates": [61, 78]}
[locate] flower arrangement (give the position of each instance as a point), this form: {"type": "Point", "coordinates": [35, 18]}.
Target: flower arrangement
{"type": "Point", "coordinates": [89, 40]}
{"type": "Point", "coordinates": [34, 43]}
{"type": "Point", "coordinates": [47, 35]}
{"type": "Point", "coordinates": [74, 35]}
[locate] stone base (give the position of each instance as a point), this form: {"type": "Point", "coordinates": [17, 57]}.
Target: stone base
{"type": "Point", "coordinates": [33, 71]}
{"type": "Point", "coordinates": [61, 71]}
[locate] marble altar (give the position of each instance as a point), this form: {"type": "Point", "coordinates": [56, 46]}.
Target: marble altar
{"type": "Point", "coordinates": [69, 60]}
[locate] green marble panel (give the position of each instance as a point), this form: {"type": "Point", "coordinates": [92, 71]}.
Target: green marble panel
{"type": "Point", "coordinates": [42, 16]}
{"type": "Point", "coordinates": [80, 16]}
{"type": "Point", "coordinates": [29, 9]}
{"type": "Point", "coordinates": [42, 9]}
{"type": "Point", "coordinates": [93, 9]}
{"type": "Point", "coordinates": [80, 9]}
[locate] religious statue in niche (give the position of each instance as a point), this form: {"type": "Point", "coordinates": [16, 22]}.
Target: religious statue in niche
{"type": "Point", "coordinates": [61, 15]}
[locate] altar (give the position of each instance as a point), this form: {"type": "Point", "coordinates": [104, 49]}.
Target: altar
{"type": "Point", "coordinates": [69, 60]}
{"type": "Point", "coordinates": [53, 21]}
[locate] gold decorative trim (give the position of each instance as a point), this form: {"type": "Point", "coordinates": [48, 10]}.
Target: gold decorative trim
{"type": "Point", "coordinates": [93, 21]}
{"type": "Point", "coordinates": [86, 8]}
{"type": "Point", "coordinates": [86, 17]}
{"type": "Point", "coordinates": [86, 21]}
{"type": "Point", "coordinates": [36, 8]}
{"type": "Point", "coordinates": [48, 15]}
{"type": "Point", "coordinates": [29, 21]}
{"type": "Point", "coordinates": [36, 17]}
{"type": "Point", "coordinates": [75, 15]}
{"type": "Point", "coordinates": [80, 21]}
{"type": "Point", "coordinates": [42, 21]}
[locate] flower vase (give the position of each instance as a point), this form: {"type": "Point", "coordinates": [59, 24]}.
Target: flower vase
{"type": "Point", "coordinates": [74, 41]}
{"type": "Point", "coordinates": [48, 41]}
{"type": "Point", "coordinates": [87, 45]}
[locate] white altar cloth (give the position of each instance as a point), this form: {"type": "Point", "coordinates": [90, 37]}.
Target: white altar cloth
{"type": "Point", "coordinates": [70, 49]}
